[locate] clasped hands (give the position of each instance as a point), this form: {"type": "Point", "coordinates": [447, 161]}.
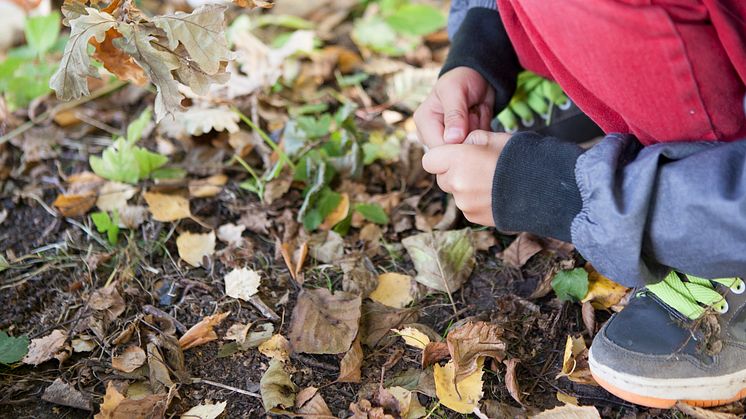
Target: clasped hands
{"type": "Point", "coordinates": [454, 125]}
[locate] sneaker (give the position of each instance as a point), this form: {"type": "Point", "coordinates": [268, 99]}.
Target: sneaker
{"type": "Point", "coordinates": [683, 339]}
{"type": "Point", "coordinates": [539, 105]}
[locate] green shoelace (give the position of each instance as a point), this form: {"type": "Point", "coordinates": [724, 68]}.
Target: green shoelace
{"type": "Point", "coordinates": [694, 297]}
{"type": "Point", "coordinates": [533, 94]}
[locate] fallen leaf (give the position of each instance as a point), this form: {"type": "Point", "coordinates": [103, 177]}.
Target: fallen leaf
{"type": "Point", "coordinates": [603, 293]}
{"type": "Point", "coordinates": [443, 259]}
{"type": "Point", "coordinates": [410, 86]}
{"type": "Point", "coordinates": [117, 406]}
{"type": "Point", "coordinates": [62, 393]}
{"type": "Point", "coordinates": [521, 250]}
{"type": "Point", "coordinates": [75, 205]}
{"type": "Point", "coordinates": [205, 411]}
{"type": "Point", "coordinates": [116, 61]}
{"type": "Point", "coordinates": [701, 413]}
{"type": "Point", "coordinates": [166, 207]}
{"type": "Point", "coordinates": [471, 342]}
{"type": "Point", "coordinates": [250, 4]}
{"type": "Point", "coordinates": [277, 347]}
{"type": "Point", "coordinates": [339, 213]}
{"type": "Point", "coordinates": [112, 399]}
{"type": "Point", "coordinates": [567, 399]}
{"type": "Point", "coordinates": [294, 267]}
{"type": "Point", "coordinates": [316, 408]}
{"type": "Point", "coordinates": [158, 369]}
{"type": "Point", "coordinates": [231, 234]}
{"type": "Point", "coordinates": [83, 344]}
{"type": "Point", "coordinates": [377, 321]}
{"type": "Point", "coordinates": [575, 362]}
{"type": "Point", "coordinates": [463, 397]}
{"type": "Point", "coordinates": [589, 318]}
{"type": "Point", "coordinates": [434, 352]}
{"type": "Point", "coordinates": [409, 405]}
{"type": "Point", "coordinates": [131, 359]}
{"type": "Point", "coordinates": [393, 290]}
{"type": "Point", "coordinates": [569, 411]}
{"type": "Point", "coordinates": [242, 283]}
{"type": "Point", "coordinates": [413, 337]}
{"type": "Point", "coordinates": [352, 362]}
{"type": "Point", "coordinates": [359, 277]}
{"type": "Point", "coordinates": [511, 380]}
{"type": "Point", "coordinates": [238, 332]}
{"type": "Point", "coordinates": [327, 247]}
{"type": "Point", "coordinates": [12, 348]}
{"type": "Point", "coordinates": [276, 387]}
{"type": "Point", "coordinates": [209, 187]}
{"type": "Point", "coordinates": [43, 349]}
{"type": "Point", "coordinates": [132, 216]}
{"type": "Point", "coordinates": [194, 247]}
{"type": "Point", "coordinates": [201, 119]}
{"type": "Point", "coordinates": [202, 332]}
{"type": "Point", "coordinates": [324, 323]}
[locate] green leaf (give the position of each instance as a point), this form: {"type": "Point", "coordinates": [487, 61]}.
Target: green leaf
{"type": "Point", "coordinates": [380, 148]}
{"type": "Point", "coordinates": [147, 161]}
{"type": "Point", "coordinates": [416, 19]}
{"type": "Point", "coordinates": [136, 127]}
{"type": "Point", "coordinates": [118, 163]}
{"type": "Point", "coordinates": [4, 264]}
{"type": "Point", "coordinates": [313, 127]}
{"type": "Point", "coordinates": [373, 32]}
{"type": "Point", "coordinates": [169, 173]}
{"type": "Point", "coordinates": [42, 32]}
{"type": "Point", "coordinates": [571, 285]}
{"type": "Point", "coordinates": [373, 213]}
{"type": "Point", "coordinates": [101, 220]}
{"type": "Point", "coordinates": [12, 349]}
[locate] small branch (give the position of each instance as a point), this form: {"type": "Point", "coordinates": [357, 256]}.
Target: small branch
{"type": "Point", "coordinates": [224, 386]}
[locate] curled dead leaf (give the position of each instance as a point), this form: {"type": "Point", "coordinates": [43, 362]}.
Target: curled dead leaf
{"type": "Point", "coordinates": [471, 342]}
{"type": "Point", "coordinates": [131, 359]}
{"type": "Point", "coordinates": [352, 362]}
{"type": "Point", "coordinates": [575, 362]}
{"type": "Point", "coordinates": [202, 332]}
{"type": "Point", "coordinates": [45, 348]}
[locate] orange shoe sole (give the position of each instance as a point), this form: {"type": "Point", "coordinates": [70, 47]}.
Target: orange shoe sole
{"type": "Point", "coordinates": [662, 403]}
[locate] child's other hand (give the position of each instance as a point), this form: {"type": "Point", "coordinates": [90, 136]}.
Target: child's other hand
{"type": "Point", "coordinates": [460, 102]}
{"type": "Point", "coordinates": [466, 171]}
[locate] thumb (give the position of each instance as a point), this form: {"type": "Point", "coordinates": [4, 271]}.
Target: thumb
{"type": "Point", "coordinates": [490, 139]}
{"type": "Point", "coordinates": [455, 114]}
{"type": "Point", "coordinates": [437, 160]}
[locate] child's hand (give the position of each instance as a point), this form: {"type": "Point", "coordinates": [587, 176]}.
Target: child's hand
{"type": "Point", "coordinates": [460, 102]}
{"type": "Point", "coordinates": [466, 171]}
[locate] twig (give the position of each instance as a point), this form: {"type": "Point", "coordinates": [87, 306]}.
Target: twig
{"type": "Point", "coordinates": [224, 386]}
{"type": "Point", "coordinates": [263, 308]}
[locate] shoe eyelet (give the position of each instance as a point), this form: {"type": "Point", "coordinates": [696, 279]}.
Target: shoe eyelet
{"type": "Point", "coordinates": [528, 123]}
{"type": "Point", "coordinates": [739, 287]}
{"type": "Point", "coordinates": [721, 307]}
{"type": "Point", "coordinates": [565, 105]}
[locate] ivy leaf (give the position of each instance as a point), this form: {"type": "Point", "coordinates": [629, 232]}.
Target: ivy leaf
{"type": "Point", "coordinates": [373, 213]}
{"type": "Point", "coordinates": [202, 34]}
{"type": "Point", "coordinates": [70, 81]}
{"type": "Point", "coordinates": [571, 285]}
{"type": "Point", "coordinates": [12, 349]}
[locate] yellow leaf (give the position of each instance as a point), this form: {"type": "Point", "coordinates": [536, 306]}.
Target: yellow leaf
{"type": "Point", "coordinates": [277, 347]}
{"type": "Point", "coordinates": [394, 290]}
{"type": "Point", "coordinates": [112, 399]}
{"type": "Point", "coordinates": [409, 406]}
{"type": "Point", "coordinates": [339, 213]}
{"type": "Point", "coordinates": [413, 337]}
{"type": "Point", "coordinates": [194, 247]}
{"type": "Point", "coordinates": [464, 399]}
{"type": "Point", "coordinates": [250, 4]}
{"type": "Point", "coordinates": [205, 411]}
{"type": "Point", "coordinates": [209, 187]}
{"type": "Point", "coordinates": [75, 205]}
{"type": "Point", "coordinates": [166, 207]}
{"type": "Point", "coordinates": [603, 293]}
{"type": "Point", "coordinates": [575, 362]}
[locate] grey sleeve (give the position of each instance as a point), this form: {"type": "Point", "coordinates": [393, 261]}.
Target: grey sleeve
{"type": "Point", "coordinates": [459, 8]}
{"type": "Point", "coordinates": [668, 206]}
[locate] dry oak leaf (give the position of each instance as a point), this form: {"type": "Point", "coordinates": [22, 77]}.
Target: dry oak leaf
{"type": "Point", "coordinates": [471, 342]}
{"type": "Point", "coordinates": [413, 337]}
{"type": "Point", "coordinates": [277, 347]}
{"type": "Point", "coordinates": [575, 362]}
{"type": "Point", "coordinates": [521, 250]}
{"type": "Point", "coordinates": [193, 247]}
{"type": "Point", "coordinates": [393, 290]}
{"type": "Point", "coordinates": [116, 61]}
{"type": "Point", "coordinates": [43, 349]}
{"type": "Point", "coordinates": [242, 283]}
{"type": "Point", "coordinates": [202, 332]}
{"type": "Point", "coordinates": [131, 359]}
{"type": "Point", "coordinates": [205, 411]}
{"type": "Point", "coordinates": [324, 323]}
{"type": "Point", "coordinates": [349, 367]}
{"type": "Point", "coordinates": [569, 411]}
{"type": "Point", "coordinates": [166, 207]}
{"type": "Point", "coordinates": [463, 397]}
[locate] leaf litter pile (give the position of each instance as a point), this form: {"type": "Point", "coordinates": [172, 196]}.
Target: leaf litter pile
{"type": "Point", "coordinates": [217, 209]}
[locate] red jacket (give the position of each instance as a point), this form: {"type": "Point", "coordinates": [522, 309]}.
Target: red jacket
{"type": "Point", "coordinates": [663, 70]}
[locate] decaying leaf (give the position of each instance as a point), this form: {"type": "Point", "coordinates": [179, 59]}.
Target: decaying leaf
{"type": "Point", "coordinates": [116, 405]}
{"type": "Point", "coordinates": [511, 380]}
{"type": "Point", "coordinates": [521, 250]}
{"type": "Point", "coordinates": [116, 61]}
{"type": "Point", "coordinates": [202, 332]}
{"type": "Point", "coordinates": [62, 393]}
{"type": "Point", "coordinates": [209, 187]}
{"type": "Point", "coordinates": [45, 348]}
{"type": "Point", "coordinates": [205, 411]}
{"type": "Point", "coordinates": [202, 119]}
{"type": "Point", "coordinates": [378, 320]}
{"type": "Point", "coordinates": [276, 387]}
{"type": "Point", "coordinates": [471, 342]}
{"type": "Point", "coordinates": [114, 195]}
{"type": "Point", "coordinates": [409, 405]}
{"type": "Point", "coordinates": [81, 194]}
{"type": "Point", "coordinates": [167, 208]}
{"type": "Point", "coordinates": [443, 259]}
{"type": "Point", "coordinates": [463, 397]}
{"type": "Point", "coordinates": [413, 337]}
{"type": "Point", "coordinates": [158, 369]}
{"type": "Point", "coordinates": [410, 86]}
{"type": "Point", "coordinates": [327, 247]}
{"type": "Point", "coordinates": [324, 323]}
{"type": "Point", "coordinates": [434, 352]}
{"type": "Point", "coordinates": [231, 234]}
{"type": "Point", "coordinates": [349, 367]}
{"type": "Point", "coordinates": [193, 247]}
{"type": "Point", "coordinates": [339, 213]}
{"type": "Point", "coordinates": [277, 347]}
{"type": "Point", "coordinates": [569, 411]}
{"type": "Point", "coordinates": [299, 256]}
{"type": "Point", "coordinates": [575, 362]}
{"type": "Point", "coordinates": [131, 359]}
{"type": "Point", "coordinates": [242, 283]}
{"type": "Point", "coordinates": [251, 4]}
{"type": "Point", "coordinates": [316, 407]}
{"type": "Point", "coordinates": [603, 293]}
{"type": "Point", "coordinates": [393, 290]}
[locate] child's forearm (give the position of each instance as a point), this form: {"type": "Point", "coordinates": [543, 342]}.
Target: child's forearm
{"type": "Point", "coordinates": [634, 212]}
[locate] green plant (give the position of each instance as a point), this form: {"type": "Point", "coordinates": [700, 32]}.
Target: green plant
{"type": "Point", "coordinates": [108, 225]}
{"type": "Point", "coordinates": [25, 72]}
{"type": "Point", "coordinates": [571, 285]}
{"type": "Point", "coordinates": [12, 349]}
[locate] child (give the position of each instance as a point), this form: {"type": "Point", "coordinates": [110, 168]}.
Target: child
{"type": "Point", "coordinates": [659, 204]}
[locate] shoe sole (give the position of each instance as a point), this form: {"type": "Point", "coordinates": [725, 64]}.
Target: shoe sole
{"type": "Point", "coordinates": [662, 393]}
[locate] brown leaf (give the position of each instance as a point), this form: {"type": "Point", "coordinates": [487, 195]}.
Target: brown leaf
{"type": "Point", "coordinates": [349, 368]}
{"type": "Point", "coordinates": [589, 318]}
{"type": "Point", "coordinates": [434, 352]}
{"type": "Point", "coordinates": [378, 320]}
{"type": "Point", "coordinates": [569, 411]}
{"type": "Point", "coordinates": [521, 250]}
{"type": "Point", "coordinates": [43, 349]}
{"type": "Point", "coordinates": [472, 340]}
{"type": "Point", "coordinates": [167, 208]}
{"type": "Point", "coordinates": [64, 394]}
{"type": "Point", "coordinates": [117, 406]}
{"type": "Point", "coordinates": [202, 332]}
{"type": "Point", "coordinates": [310, 403]}
{"type": "Point", "coordinates": [277, 347]}
{"type": "Point", "coordinates": [511, 380]}
{"type": "Point", "coordinates": [575, 362]}
{"type": "Point", "coordinates": [300, 258]}
{"type": "Point", "coordinates": [131, 359]}
{"type": "Point", "coordinates": [75, 205]}
{"type": "Point", "coordinates": [112, 399]}
{"type": "Point", "coordinates": [209, 187]}
{"type": "Point", "coordinates": [251, 4]}
{"type": "Point", "coordinates": [324, 323]}
{"type": "Point", "coordinates": [700, 413]}
{"type": "Point", "coordinates": [158, 370]}
{"type": "Point", "coordinates": [116, 61]}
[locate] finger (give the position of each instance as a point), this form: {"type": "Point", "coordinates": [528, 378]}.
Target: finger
{"type": "Point", "coordinates": [455, 113]}
{"type": "Point", "coordinates": [496, 140]}
{"type": "Point", "coordinates": [443, 183]}
{"type": "Point", "coordinates": [429, 123]}
{"type": "Point", "coordinates": [437, 160]}
{"type": "Point", "coordinates": [473, 120]}
{"type": "Point", "coordinates": [485, 117]}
